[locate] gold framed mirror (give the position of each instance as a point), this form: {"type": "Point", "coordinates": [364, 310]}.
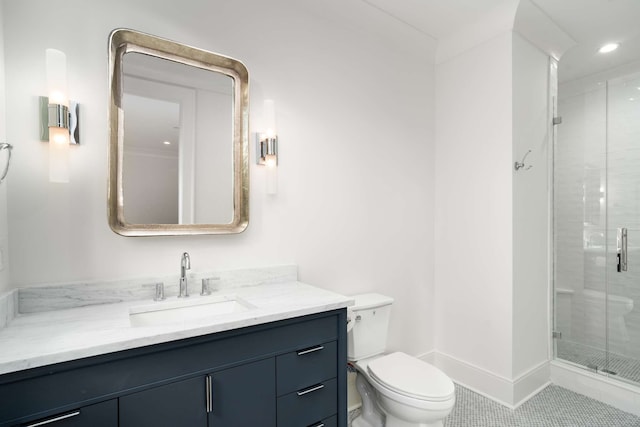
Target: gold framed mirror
{"type": "Point", "coordinates": [178, 149]}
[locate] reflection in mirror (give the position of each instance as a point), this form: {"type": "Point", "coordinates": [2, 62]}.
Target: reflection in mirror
{"type": "Point", "coordinates": [150, 170]}
{"type": "Point", "coordinates": [178, 160]}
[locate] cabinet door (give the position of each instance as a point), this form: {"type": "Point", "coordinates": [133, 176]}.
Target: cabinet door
{"type": "Point", "coordinates": [244, 396]}
{"type": "Point", "coordinates": [103, 414]}
{"type": "Point", "coordinates": [181, 403]}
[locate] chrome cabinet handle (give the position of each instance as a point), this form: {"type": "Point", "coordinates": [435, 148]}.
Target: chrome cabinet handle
{"type": "Point", "coordinates": [310, 350]}
{"type": "Point", "coordinates": [53, 420]}
{"type": "Point", "coordinates": [622, 250]}
{"type": "Point", "coordinates": [320, 424]}
{"type": "Point", "coordinates": [310, 389]}
{"type": "Point", "coordinates": [209, 393]}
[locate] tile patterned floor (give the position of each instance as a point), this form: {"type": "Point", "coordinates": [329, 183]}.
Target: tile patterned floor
{"type": "Point", "coordinates": [623, 367]}
{"type": "Point", "coordinates": [552, 407]}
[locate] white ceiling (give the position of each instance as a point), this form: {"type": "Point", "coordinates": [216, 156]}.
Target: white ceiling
{"type": "Point", "coordinates": [436, 18]}
{"type": "Point", "coordinates": [590, 23]}
{"type": "Point", "coordinates": [593, 23]}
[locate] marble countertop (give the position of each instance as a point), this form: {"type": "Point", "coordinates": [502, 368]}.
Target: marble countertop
{"type": "Point", "coordinates": [46, 337]}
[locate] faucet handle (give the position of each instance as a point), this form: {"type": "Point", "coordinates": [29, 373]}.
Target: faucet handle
{"type": "Point", "coordinates": [159, 292]}
{"type": "Point", "coordinates": [206, 285]}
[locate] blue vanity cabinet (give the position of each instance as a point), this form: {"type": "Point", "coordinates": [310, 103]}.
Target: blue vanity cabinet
{"type": "Point", "coordinates": [235, 397]}
{"type": "Point", "coordinates": [103, 414]}
{"type": "Point", "coordinates": [180, 403]}
{"type": "Point", "coordinates": [307, 385]}
{"type": "Point", "coordinates": [244, 395]}
{"type": "Point", "coordinates": [285, 373]}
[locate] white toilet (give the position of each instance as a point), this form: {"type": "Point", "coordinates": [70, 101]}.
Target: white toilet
{"type": "Point", "coordinates": [410, 392]}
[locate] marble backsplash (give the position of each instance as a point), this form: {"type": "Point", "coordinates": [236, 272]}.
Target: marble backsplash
{"type": "Point", "coordinates": [50, 297]}
{"type": "Point", "coordinates": [8, 306]}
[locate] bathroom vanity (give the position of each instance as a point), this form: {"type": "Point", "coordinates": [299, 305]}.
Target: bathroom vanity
{"type": "Point", "coordinates": [282, 363]}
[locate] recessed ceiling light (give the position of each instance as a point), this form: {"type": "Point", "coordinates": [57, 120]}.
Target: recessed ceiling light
{"type": "Point", "coordinates": [167, 143]}
{"type": "Point", "coordinates": [610, 47]}
{"type": "Point", "coordinates": [632, 99]}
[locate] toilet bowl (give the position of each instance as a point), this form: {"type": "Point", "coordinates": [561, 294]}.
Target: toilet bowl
{"type": "Point", "coordinates": [410, 392]}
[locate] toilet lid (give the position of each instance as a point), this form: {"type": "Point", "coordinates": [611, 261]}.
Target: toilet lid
{"type": "Point", "coordinates": [411, 377]}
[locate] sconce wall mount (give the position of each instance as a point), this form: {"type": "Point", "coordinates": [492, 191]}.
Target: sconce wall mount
{"type": "Point", "coordinates": [59, 116]}
{"type": "Point", "coordinates": [266, 149]}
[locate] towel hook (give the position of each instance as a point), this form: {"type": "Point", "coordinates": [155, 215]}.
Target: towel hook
{"type": "Point", "coordinates": [520, 165]}
{"type": "Point", "coordinates": [8, 147]}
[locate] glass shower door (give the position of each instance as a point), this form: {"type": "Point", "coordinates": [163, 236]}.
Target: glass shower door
{"type": "Point", "coordinates": [623, 207]}
{"type": "Point", "coordinates": [580, 226]}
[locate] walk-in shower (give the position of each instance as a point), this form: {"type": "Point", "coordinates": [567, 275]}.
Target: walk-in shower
{"type": "Point", "coordinates": [596, 217]}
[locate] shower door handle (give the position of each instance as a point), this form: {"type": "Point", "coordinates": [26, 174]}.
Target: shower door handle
{"type": "Point", "coordinates": [622, 250]}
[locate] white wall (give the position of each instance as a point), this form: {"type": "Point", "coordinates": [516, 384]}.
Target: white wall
{"type": "Point", "coordinates": [492, 327]}
{"type": "Point", "coordinates": [492, 224]}
{"type": "Point", "coordinates": [473, 219]}
{"type": "Point", "coordinates": [355, 114]}
{"type": "Point", "coordinates": [4, 230]}
{"type": "Point", "coordinates": [531, 131]}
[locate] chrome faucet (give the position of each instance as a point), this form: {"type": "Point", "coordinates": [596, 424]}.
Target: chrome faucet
{"type": "Point", "coordinates": [185, 264]}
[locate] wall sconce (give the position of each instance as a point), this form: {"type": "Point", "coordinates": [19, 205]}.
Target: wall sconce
{"type": "Point", "coordinates": [267, 147]}
{"type": "Point", "coordinates": [58, 117]}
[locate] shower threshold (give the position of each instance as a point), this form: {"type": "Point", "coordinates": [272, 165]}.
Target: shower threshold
{"type": "Point", "coordinates": [619, 366]}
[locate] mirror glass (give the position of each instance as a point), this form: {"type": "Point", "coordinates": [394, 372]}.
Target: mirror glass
{"type": "Point", "coordinates": [179, 139]}
{"type": "Point", "coordinates": [178, 129]}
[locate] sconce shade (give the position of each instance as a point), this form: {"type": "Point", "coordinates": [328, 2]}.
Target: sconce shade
{"type": "Point", "coordinates": [271, 162]}
{"type": "Point", "coordinates": [57, 77]}
{"type": "Point", "coordinates": [58, 155]}
{"type": "Point", "coordinates": [269, 119]}
{"type": "Point", "coordinates": [58, 116]}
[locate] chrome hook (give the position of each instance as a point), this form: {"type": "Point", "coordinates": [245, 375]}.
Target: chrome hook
{"type": "Point", "coordinates": [8, 147]}
{"type": "Point", "coordinates": [520, 165]}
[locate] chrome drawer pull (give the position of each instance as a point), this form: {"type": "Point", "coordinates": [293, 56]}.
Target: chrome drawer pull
{"type": "Point", "coordinates": [320, 424]}
{"type": "Point", "coordinates": [310, 350]}
{"type": "Point", "coordinates": [310, 390]}
{"type": "Point", "coordinates": [53, 420]}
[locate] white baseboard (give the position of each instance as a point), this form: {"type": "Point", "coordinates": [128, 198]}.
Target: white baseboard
{"type": "Point", "coordinates": [429, 357]}
{"type": "Point", "coordinates": [513, 393]}
{"type": "Point", "coordinates": [507, 392]}
{"type": "Point", "coordinates": [531, 383]}
{"type": "Point", "coordinates": [618, 394]}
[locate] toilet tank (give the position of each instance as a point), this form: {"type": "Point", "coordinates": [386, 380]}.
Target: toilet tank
{"type": "Point", "coordinates": [370, 317]}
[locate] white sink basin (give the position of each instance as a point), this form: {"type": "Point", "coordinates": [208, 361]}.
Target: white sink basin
{"type": "Point", "coordinates": [193, 309]}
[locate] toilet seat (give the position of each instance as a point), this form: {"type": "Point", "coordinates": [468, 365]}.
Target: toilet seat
{"type": "Point", "coordinates": [411, 378]}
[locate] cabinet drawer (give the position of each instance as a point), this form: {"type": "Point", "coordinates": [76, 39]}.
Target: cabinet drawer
{"type": "Point", "coordinates": [179, 403]}
{"type": "Point", "coordinates": [306, 366]}
{"type": "Point", "coordinates": [327, 422]}
{"type": "Point", "coordinates": [103, 414]}
{"type": "Point", "coordinates": [306, 406]}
